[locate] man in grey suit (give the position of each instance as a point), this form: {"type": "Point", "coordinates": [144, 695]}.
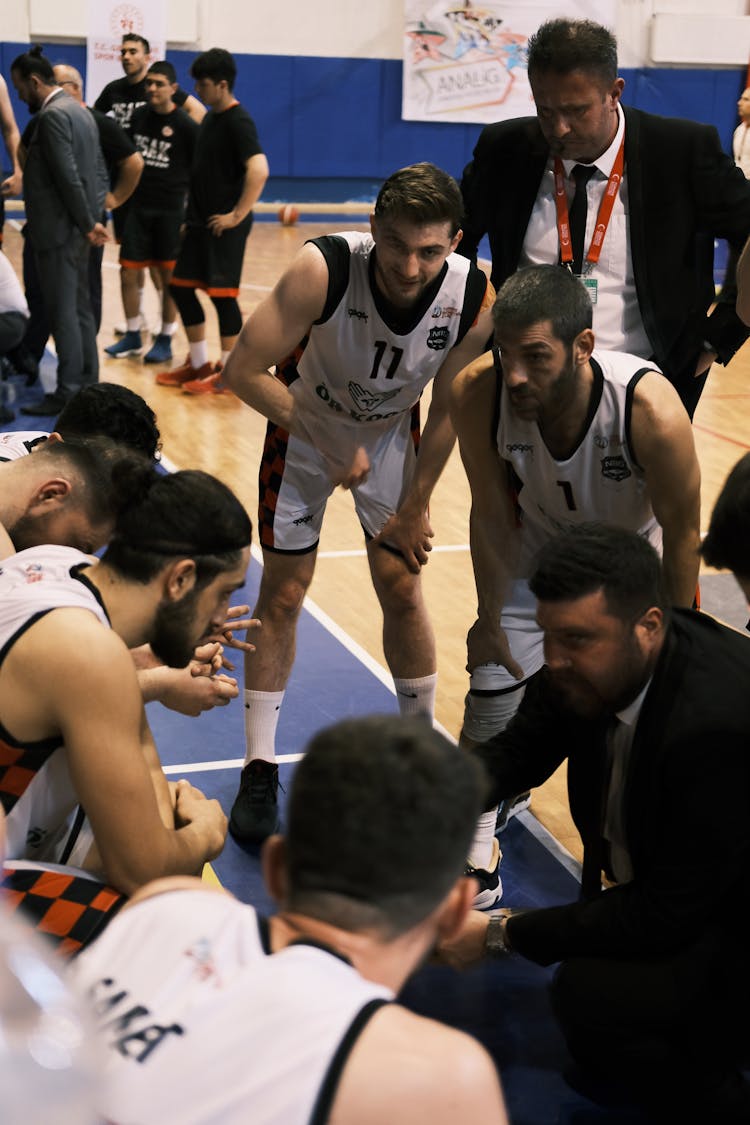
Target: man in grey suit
{"type": "Point", "coordinates": [64, 188]}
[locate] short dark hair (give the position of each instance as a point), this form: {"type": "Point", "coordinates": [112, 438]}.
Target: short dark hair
{"type": "Point", "coordinates": [131, 37]}
{"type": "Point", "coordinates": [112, 477]}
{"type": "Point", "coordinates": [564, 45]}
{"type": "Point", "coordinates": [34, 62]}
{"type": "Point", "coordinates": [216, 64]}
{"type": "Point", "coordinates": [368, 795]}
{"type": "Point", "coordinates": [189, 514]}
{"type": "Point", "coordinates": [164, 68]}
{"type": "Point", "coordinates": [421, 193]}
{"type": "Point", "coordinates": [540, 293]}
{"type": "Point", "coordinates": [109, 410]}
{"type": "Point", "coordinates": [727, 542]}
{"type": "Point", "coordinates": [589, 557]}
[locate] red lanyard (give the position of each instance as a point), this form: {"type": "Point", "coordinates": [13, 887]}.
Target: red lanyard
{"type": "Point", "coordinates": [602, 218]}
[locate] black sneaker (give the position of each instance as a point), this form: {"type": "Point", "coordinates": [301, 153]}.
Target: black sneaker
{"type": "Point", "coordinates": [255, 812]}
{"type": "Point", "coordinates": [509, 808]}
{"type": "Point", "coordinates": [490, 889]}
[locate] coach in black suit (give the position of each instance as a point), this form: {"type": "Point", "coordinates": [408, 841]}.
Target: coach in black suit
{"type": "Point", "coordinates": [679, 191]}
{"type": "Point", "coordinates": [651, 709]}
{"type": "Point", "coordinates": [64, 187]}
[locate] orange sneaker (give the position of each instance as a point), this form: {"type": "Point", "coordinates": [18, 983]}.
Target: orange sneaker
{"type": "Point", "coordinates": [178, 376]}
{"type": "Point", "coordinates": [210, 385]}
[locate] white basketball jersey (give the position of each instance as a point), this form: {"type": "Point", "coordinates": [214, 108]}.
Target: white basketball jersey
{"type": "Point", "coordinates": [35, 786]}
{"type": "Point", "coordinates": [18, 443]}
{"type": "Point", "coordinates": [358, 370]}
{"type": "Point", "coordinates": [601, 479]}
{"type": "Point", "coordinates": [204, 1026]}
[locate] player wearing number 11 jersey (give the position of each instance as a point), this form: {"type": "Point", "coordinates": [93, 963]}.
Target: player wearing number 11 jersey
{"type": "Point", "coordinates": [365, 322]}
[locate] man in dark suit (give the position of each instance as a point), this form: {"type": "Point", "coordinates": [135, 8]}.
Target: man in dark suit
{"type": "Point", "coordinates": [651, 708]}
{"type": "Point", "coordinates": [64, 188]}
{"type": "Point", "coordinates": [652, 277]}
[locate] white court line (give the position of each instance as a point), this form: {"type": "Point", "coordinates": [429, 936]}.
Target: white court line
{"type": "Point", "coordinates": [224, 764]}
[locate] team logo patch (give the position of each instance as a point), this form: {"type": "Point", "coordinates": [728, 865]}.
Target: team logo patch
{"type": "Point", "coordinates": [614, 468]}
{"type": "Point", "coordinates": [437, 339]}
{"type": "Point", "coordinates": [445, 312]}
{"type": "Point", "coordinates": [600, 441]}
{"type": "Point", "coordinates": [368, 401]}
{"type": "Point", "coordinates": [167, 131]}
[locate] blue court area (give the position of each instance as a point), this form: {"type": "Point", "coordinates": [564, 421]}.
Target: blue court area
{"type": "Point", "coordinates": [502, 1004]}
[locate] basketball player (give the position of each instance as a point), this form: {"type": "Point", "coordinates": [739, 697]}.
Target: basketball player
{"type": "Point", "coordinates": [554, 433]}
{"type": "Point", "coordinates": [228, 175]}
{"type": "Point", "coordinates": [365, 322]}
{"type": "Point", "coordinates": [74, 728]}
{"type": "Point", "coordinates": [125, 95]}
{"type": "Point", "coordinates": [184, 968]}
{"type": "Point", "coordinates": [165, 137]}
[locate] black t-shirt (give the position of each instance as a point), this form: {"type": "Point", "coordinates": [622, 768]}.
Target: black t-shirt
{"type": "Point", "coordinates": [114, 142]}
{"type": "Point", "coordinates": [226, 141]}
{"type": "Point", "coordinates": [166, 141]}
{"type": "Point", "coordinates": [121, 98]}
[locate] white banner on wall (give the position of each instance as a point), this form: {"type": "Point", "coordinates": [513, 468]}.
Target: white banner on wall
{"type": "Point", "coordinates": [108, 21]}
{"type": "Point", "coordinates": [467, 61]}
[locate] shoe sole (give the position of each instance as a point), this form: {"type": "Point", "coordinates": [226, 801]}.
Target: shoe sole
{"type": "Point", "coordinates": [156, 358]}
{"type": "Point", "coordinates": [486, 900]}
{"type": "Point", "coordinates": [514, 810]}
{"type": "Point", "coordinates": [123, 355]}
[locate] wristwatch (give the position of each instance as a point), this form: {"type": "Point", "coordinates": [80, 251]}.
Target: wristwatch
{"type": "Point", "coordinates": [496, 942]}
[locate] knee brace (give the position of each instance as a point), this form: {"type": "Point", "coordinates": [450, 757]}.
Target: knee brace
{"type": "Point", "coordinates": [230, 317]}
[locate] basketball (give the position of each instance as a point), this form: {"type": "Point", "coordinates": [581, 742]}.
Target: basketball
{"type": "Point", "coordinates": [288, 215]}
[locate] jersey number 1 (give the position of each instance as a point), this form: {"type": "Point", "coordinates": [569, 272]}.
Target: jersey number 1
{"type": "Point", "coordinates": [568, 494]}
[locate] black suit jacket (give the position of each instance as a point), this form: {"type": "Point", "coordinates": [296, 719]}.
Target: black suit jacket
{"type": "Point", "coordinates": [687, 801]}
{"type": "Point", "coordinates": [682, 192]}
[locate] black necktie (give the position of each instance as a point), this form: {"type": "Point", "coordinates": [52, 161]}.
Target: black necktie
{"type": "Point", "coordinates": [581, 173]}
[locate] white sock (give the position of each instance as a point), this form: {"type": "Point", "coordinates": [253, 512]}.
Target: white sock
{"type": "Point", "coordinates": [168, 328]}
{"type": "Point", "coordinates": [134, 323]}
{"type": "Point", "coordinates": [416, 697]}
{"type": "Point", "coordinates": [141, 294]}
{"type": "Point", "coordinates": [261, 719]}
{"type": "Point", "coordinates": [198, 354]}
{"type": "Point", "coordinates": [480, 853]}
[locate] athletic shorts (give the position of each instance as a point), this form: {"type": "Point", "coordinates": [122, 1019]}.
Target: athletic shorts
{"type": "Point", "coordinates": [65, 904]}
{"type": "Point", "coordinates": [294, 485]}
{"type": "Point", "coordinates": [212, 263]}
{"type": "Point", "coordinates": [151, 238]}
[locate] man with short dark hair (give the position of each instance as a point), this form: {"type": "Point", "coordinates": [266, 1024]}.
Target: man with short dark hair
{"type": "Point", "coordinates": [554, 432]}
{"type": "Point", "coordinates": [74, 728]}
{"type": "Point", "coordinates": [64, 187]}
{"type": "Point", "coordinates": [656, 190]}
{"type": "Point", "coordinates": [228, 176]}
{"type": "Point", "coordinates": [650, 707]}
{"type": "Point", "coordinates": [312, 986]}
{"type": "Point", "coordinates": [165, 137]}
{"type": "Point", "coordinates": [356, 328]}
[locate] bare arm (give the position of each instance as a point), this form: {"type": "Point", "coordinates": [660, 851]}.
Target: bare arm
{"type": "Point", "coordinates": [128, 174]}
{"type": "Point", "coordinates": [12, 137]}
{"type": "Point", "coordinates": [91, 696]}
{"type": "Point", "coordinates": [664, 447]}
{"type": "Point", "coordinates": [272, 332]}
{"type": "Point", "coordinates": [409, 530]}
{"type": "Point", "coordinates": [493, 532]}
{"type": "Point", "coordinates": [256, 174]}
{"type": "Point", "coordinates": [195, 109]}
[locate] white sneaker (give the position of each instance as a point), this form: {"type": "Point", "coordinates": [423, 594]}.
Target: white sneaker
{"type": "Point", "coordinates": [490, 885]}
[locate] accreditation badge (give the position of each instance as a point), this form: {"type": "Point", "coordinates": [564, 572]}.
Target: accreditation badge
{"type": "Point", "coordinates": [590, 285]}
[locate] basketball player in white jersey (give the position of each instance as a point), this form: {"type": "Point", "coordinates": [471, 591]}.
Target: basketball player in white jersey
{"type": "Point", "coordinates": [211, 1013]}
{"type": "Point", "coordinates": [366, 321]}
{"type": "Point", "coordinates": [553, 433]}
{"type": "Point", "coordinates": [72, 724]}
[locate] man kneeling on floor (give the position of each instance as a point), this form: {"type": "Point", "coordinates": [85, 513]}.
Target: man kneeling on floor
{"type": "Point", "coordinates": [288, 1020]}
{"type": "Point", "coordinates": [72, 724]}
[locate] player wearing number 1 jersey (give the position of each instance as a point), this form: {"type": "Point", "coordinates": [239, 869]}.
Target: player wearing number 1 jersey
{"type": "Point", "coordinates": [553, 433]}
{"type": "Point", "coordinates": [366, 322]}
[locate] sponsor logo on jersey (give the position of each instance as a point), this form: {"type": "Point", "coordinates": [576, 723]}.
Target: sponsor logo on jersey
{"type": "Point", "coordinates": [302, 519]}
{"type": "Point", "coordinates": [359, 314]}
{"type": "Point", "coordinates": [437, 339]}
{"type": "Point", "coordinates": [444, 312]}
{"type": "Point", "coordinates": [519, 447]}
{"type": "Point", "coordinates": [614, 468]}
{"type": "Point", "coordinates": [33, 572]}
{"type": "Point", "coordinates": [369, 400]}
{"type": "Point", "coordinates": [35, 837]}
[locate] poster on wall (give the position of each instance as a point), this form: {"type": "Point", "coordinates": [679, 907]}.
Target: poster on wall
{"type": "Point", "coordinates": [466, 61]}
{"type": "Point", "coordinates": [108, 21]}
